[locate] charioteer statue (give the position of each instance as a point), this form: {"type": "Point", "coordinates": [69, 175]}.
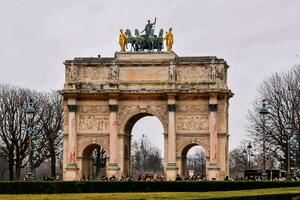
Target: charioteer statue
{"type": "Point", "coordinates": [148, 41]}
{"type": "Point", "coordinates": [148, 28]}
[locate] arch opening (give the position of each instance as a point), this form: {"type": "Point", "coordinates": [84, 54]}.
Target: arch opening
{"type": "Point", "coordinates": [194, 162]}
{"type": "Point", "coordinates": [144, 146]}
{"type": "Point", "coordinates": [93, 162]}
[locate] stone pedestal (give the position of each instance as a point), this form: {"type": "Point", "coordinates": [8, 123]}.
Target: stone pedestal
{"type": "Point", "coordinates": [171, 171]}
{"type": "Point", "coordinates": [72, 172]}
{"type": "Point", "coordinates": [213, 171]}
{"type": "Point", "coordinates": [113, 170]}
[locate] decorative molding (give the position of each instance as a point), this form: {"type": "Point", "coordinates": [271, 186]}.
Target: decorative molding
{"type": "Point", "coordinates": [72, 108]}
{"type": "Point", "coordinates": [192, 108]}
{"type": "Point", "coordinates": [213, 107]}
{"type": "Point", "coordinates": [93, 109]}
{"type": "Point", "coordinates": [113, 108]}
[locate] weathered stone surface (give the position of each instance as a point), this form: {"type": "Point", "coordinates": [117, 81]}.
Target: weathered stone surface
{"type": "Point", "coordinates": [111, 94]}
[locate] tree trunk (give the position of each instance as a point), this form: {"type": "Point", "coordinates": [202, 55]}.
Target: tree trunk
{"type": "Point", "coordinates": [17, 172]}
{"type": "Point", "coordinates": [53, 164]}
{"type": "Point", "coordinates": [11, 169]}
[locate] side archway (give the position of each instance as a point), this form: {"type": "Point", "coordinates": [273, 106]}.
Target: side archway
{"type": "Point", "coordinates": [193, 160]}
{"type": "Point", "coordinates": [93, 162]}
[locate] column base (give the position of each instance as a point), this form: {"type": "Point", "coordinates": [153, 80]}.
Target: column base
{"type": "Point", "coordinates": [113, 170]}
{"type": "Point", "coordinates": [171, 171]}
{"type": "Point", "coordinates": [213, 171]}
{"type": "Point", "coordinates": [71, 173]}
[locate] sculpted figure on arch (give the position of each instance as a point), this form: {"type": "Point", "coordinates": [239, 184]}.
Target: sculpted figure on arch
{"type": "Point", "coordinates": [122, 40]}
{"type": "Point", "coordinates": [148, 27]}
{"type": "Point", "coordinates": [169, 40]}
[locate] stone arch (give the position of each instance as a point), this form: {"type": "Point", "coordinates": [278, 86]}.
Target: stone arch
{"type": "Point", "coordinates": [125, 129]}
{"type": "Point", "coordinates": [183, 148]}
{"type": "Point", "coordinates": [138, 114]}
{"type": "Point", "coordinates": [85, 157]}
{"type": "Point", "coordinates": [84, 161]}
{"type": "Point", "coordinates": [85, 143]}
{"type": "Point", "coordinates": [182, 155]}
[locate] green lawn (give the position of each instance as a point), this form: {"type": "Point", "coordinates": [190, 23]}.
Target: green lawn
{"type": "Point", "coordinates": [154, 195]}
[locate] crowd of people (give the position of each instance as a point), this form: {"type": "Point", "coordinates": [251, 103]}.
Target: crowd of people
{"type": "Point", "coordinates": [146, 177]}
{"type": "Point", "coordinates": [157, 177]}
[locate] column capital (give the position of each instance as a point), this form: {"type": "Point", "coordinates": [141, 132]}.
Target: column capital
{"type": "Point", "coordinates": [113, 108]}
{"type": "Point", "coordinates": [72, 108]}
{"type": "Point", "coordinates": [213, 107]}
{"type": "Point", "coordinates": [171, 107]}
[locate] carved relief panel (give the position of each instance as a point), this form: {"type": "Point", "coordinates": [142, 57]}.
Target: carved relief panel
{"type": "Point", "coordinates": [192, 74]}
{"type": "Point", "coordinates": [99, 74]}
{"type": "Point", "coordinates": [93, 123]}
{"type": "Point", "coordinates": [71, 73]}
{"type": "Point", "coordinates": [209, 73]}
{"type": "Point", "coordinates": [191, 117]}
{"type": "Point", "coordinates": [144, 74]}
{"type": "Point", "coordinates": [192, 124]}
{"type": "Point", "coordinates": [93, 119]}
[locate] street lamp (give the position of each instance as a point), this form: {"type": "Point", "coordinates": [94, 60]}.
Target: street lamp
{"type": "Point", "coordinates": [30, 113]}
{"type": "Point", "coordinates": [248, 153]}
{"type": "Point", "coordinates": [263, 112]}
{"type": "Point", "coordinates": [288, 129]}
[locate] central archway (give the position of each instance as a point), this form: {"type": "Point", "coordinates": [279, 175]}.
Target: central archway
{"type": "Point", "coordinates": [137, 130]}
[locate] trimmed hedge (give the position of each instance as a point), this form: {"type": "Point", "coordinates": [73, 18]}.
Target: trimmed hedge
{"type": "Point", "coordinates": [262, 197]}
{"type": "Point", "coordinates": [39, 187]}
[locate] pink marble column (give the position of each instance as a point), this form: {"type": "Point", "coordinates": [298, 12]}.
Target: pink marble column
{"type": "Point", "coordinates": [171, 168]}
{"type": "Point", "coordinates": [71, 169]}
{"type": "Point", "coordinates": [213, 133]}
{"type": "Point", "coordinates": [113, 167]}
{"type": "Point", "coordinates": [72, 137]}
{"type": "Point", "coordinates": [113, 137]}
{"type": "Point", "coordinates": [213, 167]}
{"type": "Point", "coordinates": [171, 135]}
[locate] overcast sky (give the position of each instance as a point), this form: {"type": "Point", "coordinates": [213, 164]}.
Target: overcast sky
{"type": "Point", "coordinates": [255, 37]}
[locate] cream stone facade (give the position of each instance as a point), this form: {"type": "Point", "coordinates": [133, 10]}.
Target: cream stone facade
{"type": "Point", "coordinates": [105, 97]}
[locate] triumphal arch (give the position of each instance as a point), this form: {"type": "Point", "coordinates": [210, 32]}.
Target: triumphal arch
{"type": "Point", "coordinates": [105, 96]}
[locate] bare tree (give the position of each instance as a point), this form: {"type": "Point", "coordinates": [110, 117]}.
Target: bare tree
{"type": "Point", "coordinates": [237, 162]}
{"type": "Point", "coordinates": [281, 92]}
{"type": "Point", "coordinates": [99, 160]}
{"type": "Point", "coordinates": [196, 162]}
{"type": "Point", "coordinates": [14, 139]}
{"type": "Point", "coordinates": [145, 157]}
{"type": "Point", "coordinates": [52, 128]}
